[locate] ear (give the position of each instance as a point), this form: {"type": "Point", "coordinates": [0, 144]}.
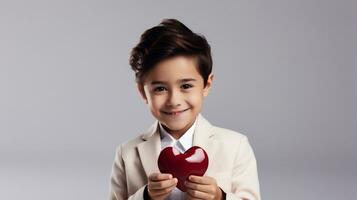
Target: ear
{"type": "Point", "coordinates": [141, 91]}
{"type": "Point", "coordinates": [208, 85]}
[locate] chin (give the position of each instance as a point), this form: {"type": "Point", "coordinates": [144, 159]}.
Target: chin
{"type": "Point", "coordinates": [175, 127]}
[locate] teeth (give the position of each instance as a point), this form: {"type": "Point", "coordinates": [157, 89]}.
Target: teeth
{"type": "Point", "coordinates": [175, 113]}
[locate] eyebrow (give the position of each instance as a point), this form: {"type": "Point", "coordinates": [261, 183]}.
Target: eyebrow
{"type": "Point", "coordinates": [179, 81]}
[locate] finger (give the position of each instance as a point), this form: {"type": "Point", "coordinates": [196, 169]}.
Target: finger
{"type": "Point", "coordinates": [204, 180]}
{"type": "Point", "coordinates": [200, 187]}
{"type": "Point", "coordinates": [159, 176]}
{"type": "Point", "coordinates": [189, 197]}
{"type": "Point", "coordinates": [163, 184]}
{"type": "Point", "coordinates": [161, 192]}
{"type": "Point", "coordinates": [199, 195]}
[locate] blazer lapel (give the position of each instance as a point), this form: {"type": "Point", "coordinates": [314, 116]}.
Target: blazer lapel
{"type": "Point", "coordinates": [149, 150]}
{"type": "Point", "coordinates": [204, 138]}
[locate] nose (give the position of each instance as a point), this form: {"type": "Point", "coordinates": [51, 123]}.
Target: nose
{"type": "Point", "coordinates": [174, 99]}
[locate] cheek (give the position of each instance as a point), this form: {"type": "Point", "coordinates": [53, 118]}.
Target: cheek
{"type": "Point", "coordinates": [195, 99]}
{"type": "Point", "coordinates": [157, 102]}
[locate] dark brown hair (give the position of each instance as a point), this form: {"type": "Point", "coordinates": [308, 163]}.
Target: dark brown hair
{"type": "Point", "coordinates": [169, 39]}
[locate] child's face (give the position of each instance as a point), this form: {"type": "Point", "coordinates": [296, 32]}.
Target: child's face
{"type": "Point", "coordinates": [174, 91]}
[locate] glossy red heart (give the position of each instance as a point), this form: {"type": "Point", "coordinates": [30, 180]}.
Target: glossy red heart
{"type": "Point", "coordinates": [193, 162]}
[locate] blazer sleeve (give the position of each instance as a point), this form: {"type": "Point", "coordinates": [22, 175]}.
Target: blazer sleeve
{"type": "Point", "coordinates": [118, 184]}
{"type": "Point", "coordinates": [245, 183]}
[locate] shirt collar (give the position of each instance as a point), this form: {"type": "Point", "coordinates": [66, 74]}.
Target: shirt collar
{"type": "Point", "coordinates": [183, 143]}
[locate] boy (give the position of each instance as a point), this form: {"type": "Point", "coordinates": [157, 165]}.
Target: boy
{"type": "Point", "coordinates": [173, 69]}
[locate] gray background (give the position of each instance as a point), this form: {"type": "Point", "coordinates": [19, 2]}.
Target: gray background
{"type": "Point", "coordinates": [285, 76]}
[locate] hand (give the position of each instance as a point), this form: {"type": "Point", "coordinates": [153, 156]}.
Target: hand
{"type": "Point", "coordinates": [202, 187]}
{"type": "Point", "coordinates": [160, 185]}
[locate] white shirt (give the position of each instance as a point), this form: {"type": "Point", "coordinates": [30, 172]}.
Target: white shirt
{"type": "Point", "coordinates": [182, 144]}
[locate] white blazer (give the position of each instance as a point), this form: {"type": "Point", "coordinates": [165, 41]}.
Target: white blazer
{"type": "Point", "coordinates": [231, 162]}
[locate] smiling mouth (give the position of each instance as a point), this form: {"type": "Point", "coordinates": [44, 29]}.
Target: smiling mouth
{"type": "Point", "coordinates": [175, 113]}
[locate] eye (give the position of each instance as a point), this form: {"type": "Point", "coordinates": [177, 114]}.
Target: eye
{"type": "Point", "coordinates": [159, 89]}
{"type": "Point", "coordinates": [187, 86]}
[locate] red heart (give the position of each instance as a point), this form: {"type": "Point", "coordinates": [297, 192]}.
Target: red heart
{"type": "Point", "coordinates": [193, 162]}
